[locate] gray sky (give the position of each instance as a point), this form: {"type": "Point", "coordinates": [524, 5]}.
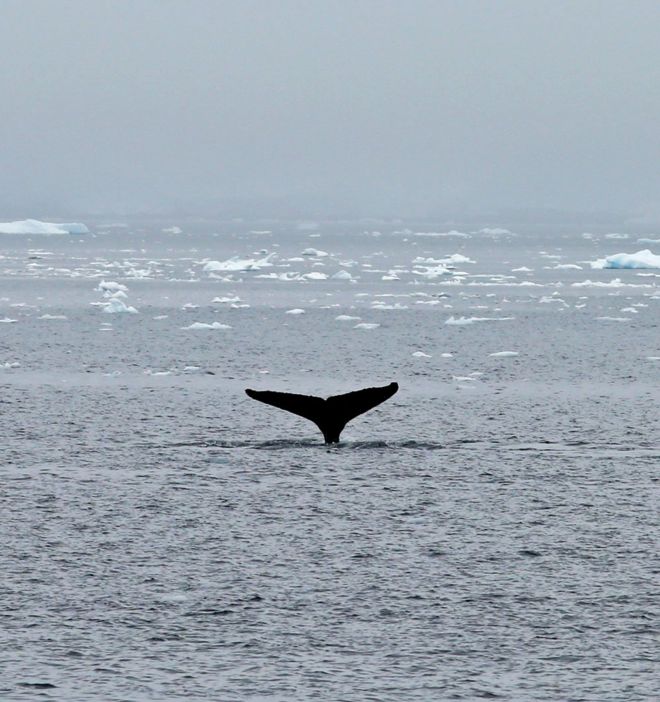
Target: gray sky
{"type": "Point", "coordinates": [406, 107]}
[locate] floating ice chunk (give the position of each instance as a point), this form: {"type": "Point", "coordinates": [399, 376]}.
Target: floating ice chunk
{"type": "Point", "coordinates": [446, 355]}
{"type": "Point", "coordinates": [616, 235]}
{"type": "Point", "coordinates": [629, 309]}
{"type": "Point", "coordinates": [366, 325]}
{"type": "Point", "coordinates": [315, 275]}
{"type": "Point", "coordinates": [503, 354]}
{"type": "Point", "coordinates": [34, 226]}
{"type": "Point", "coordinates": [296, 310]}
{"type": "Point", "coordinates": [645, 240]}
{"type": "Point", "coordinates": [227, 300]}
{"type": "Point", "coordinates": [7, 365]}
{"type": "Point", "coordinates": [172, 230]}
{"type": "Point", "coordinates": [641, 259]}
{"type": "Point", "coordinates": [495, 231]}
{"type": "Point", "coordinates": [52, 316]}
{"type": "Point", "coordinates": [239, 264]}
{"type": "Point", "coordinates": [342, 275]}
{"type": "Point", "coordinates": [613, 319]}
{"type": "Point", "coordinates": [432, 271]}
{"type": "Point", "coordinates": [421, 354]}
{"type": "Point", "coordinates": [567, 267]}
{"type": "Point", "coordinates": [522, 269]}
{"type": "Point", "coordinates": [316, 253]}
{"type": "Point", "coordinates": [346, 318]}
{"type": "Point", "coordinates": [462, 321]}
{"type": "Point", "coordinates": [653, 358]}
{"type": "Point", "coordinates": [204, 325]}
{"type": "Point", "coordinates": [161, 316]}
{"type": "Point", "coordinates": [189, 307]}
{"type": "Point", "coordinates": [7, 320]}
{"type": "Point", "coordinates": [115, 306]}
{"type": "Point", "coordinates": [111, 288]}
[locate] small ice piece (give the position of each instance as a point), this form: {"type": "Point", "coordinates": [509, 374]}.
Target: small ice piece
{"type": "Point", "coordinates": [461, 321]}
{"type": "Point", "coordinates": [567, 267]}
{"type": "Point", "coordinates": [116, 306]}
{"type": "Point", "coordinates": [613, 319]}
{"type": "Point", "coordinates": [204, 325]}
{"type": "Point", "coordinates": [342, 275]}
{"type": "Point", "coordinates": [189, 306]}
{"type": "Point", "coordinates": [366, 325]}
{"type": "Point", "coordinates": [227, 300]}
{"type": "Point", "coordinates": [161, 316]}
{"type": "Point", "coordinates": [629, 309]}
{"type": "Point", "coordinates": [10, 364]}
{"type": "Point", "coordinates": [446, 355]}
{"type": "Point", "coordinates": [452, 233]}
{"type": "Point", "coordinates": [653, 358]}
{"type": "Point", "coordinates": [616, 235]}
{"type": "Point", "coordinates": [296, 310]}
{"type": "Point", "coordinates": [641, 259]}
{"type": "Point", "coordinates": [522, 269]}
{"type": "Point", "coordinates": [420, 354]}
{"type": "Point", "coordinates": [346, 318]}
{"type": "Point", "coordinates": [172, 230]}
{"type": "Point", "coordinates": [315, 275]}
{"type": "Point", "coordinates": [316, 253]}
{"type": "Point", "coordinates": [7, 320]}
{"type": "Point", "coordinates": [503, 354]}
{"type": "Point", "coordinates": [52, 316]}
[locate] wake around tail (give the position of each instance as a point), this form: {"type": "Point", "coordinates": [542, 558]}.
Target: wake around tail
{"type": "Point", "coordinates": [331, 415]}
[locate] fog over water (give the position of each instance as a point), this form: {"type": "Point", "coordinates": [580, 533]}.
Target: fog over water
{"type": "Point", "coordinates": [363, 108]}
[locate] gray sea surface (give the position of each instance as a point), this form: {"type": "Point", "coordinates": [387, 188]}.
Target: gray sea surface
{"type": "Point", "coordinates": [488, 533]}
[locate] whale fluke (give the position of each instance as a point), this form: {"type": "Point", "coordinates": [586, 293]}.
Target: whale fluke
{"type": "Point", "coordinates": [331, 415]}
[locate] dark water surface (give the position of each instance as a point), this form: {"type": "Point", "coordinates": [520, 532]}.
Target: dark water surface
{"type": "Point", "coordinates": [489, 532]}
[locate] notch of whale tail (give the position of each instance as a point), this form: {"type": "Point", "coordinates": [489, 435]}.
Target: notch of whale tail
{"type": "Point", "coordinates": [331, 415]}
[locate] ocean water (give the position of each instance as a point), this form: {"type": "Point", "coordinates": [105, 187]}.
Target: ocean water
{"type": "Point", "coordinates": [489, 532]}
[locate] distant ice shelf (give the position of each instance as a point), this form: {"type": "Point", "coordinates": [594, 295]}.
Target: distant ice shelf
{"type": "Point", "coordinates": [35, 226]}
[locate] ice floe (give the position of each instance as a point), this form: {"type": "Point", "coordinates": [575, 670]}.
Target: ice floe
{"type": "Point", "coordinates": [35, 226]}
{"type": "Point", "coordinates": [205, 325]}
{"type": "Point", "coordinates": [342, 275]}
{"type": "Point", "coordinates": [503, 354]}
{"type": "Point", "coordinates": [53, 316]}
{"type": "Point", "coordinates": [451, 233]}
{"type": "Point", "coordinates": [366, 325]}
{"type": "Point", "coordinates": [8, 320]}
{"type": "Point", "coordinates": [346, 318]}
{"type": "Point", "coordinates": [239, 264]}
{"type": "Point", "coordinates": [640, 259]}
{"type": "Point", "coordinates": [315, 253]}
{"type": "Point", "coordinates": [7, 365]}
{"type": "Point", "coordinates": [614, 283]}
{"type": "Point", "coordinates": [613, 319]}
{"type": "Point", "coordinates": [420, 354]}
{"type": "Point", "coordinates": [296, 310]}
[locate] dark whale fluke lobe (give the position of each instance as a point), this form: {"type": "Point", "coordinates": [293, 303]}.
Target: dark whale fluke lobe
{"type": "Point", "coordinates": [331, 415]}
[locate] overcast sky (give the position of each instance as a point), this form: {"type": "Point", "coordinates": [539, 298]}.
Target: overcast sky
{"type": "Point", "coordinates": [404, 107]}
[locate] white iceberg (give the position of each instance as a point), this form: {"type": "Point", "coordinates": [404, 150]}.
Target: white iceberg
{"type": "Point", "coordinates": [35, 226]}
{"type": "Point", "coordinates": [342, 275]}
{"type": "Point", "coordinates": [297, 310]}
{"type": "Point", "coordinates": [204, 325]}
{"type": "Point", "coordinates": [116, 306]}
{"type": "Point", "coordinates": [420, 354]}
{"type": "Point", "coordinates": [503, 354]}
{"type": "Point", "coordinates": [641, 259]}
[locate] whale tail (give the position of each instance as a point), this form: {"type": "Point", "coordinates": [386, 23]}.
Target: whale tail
{"type": "Point", "coordinates": [331, 415]}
